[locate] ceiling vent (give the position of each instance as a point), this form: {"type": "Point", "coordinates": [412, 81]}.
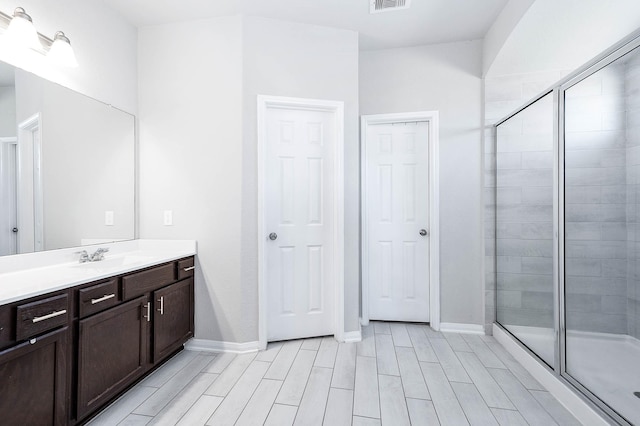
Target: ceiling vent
{"type": "Point", "coordinates": [377, 6]}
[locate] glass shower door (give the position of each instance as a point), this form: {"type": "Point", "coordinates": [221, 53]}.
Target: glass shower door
{"type": "Point", "coordinates": [524, 227]}
{"type": "Point", "coordinates": [602, 287]}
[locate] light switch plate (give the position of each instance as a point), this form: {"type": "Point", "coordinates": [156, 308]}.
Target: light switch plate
{"type": "Point", "coordinates": [108, 218]}
{"type": "Point", "coordinates": [168, 217]}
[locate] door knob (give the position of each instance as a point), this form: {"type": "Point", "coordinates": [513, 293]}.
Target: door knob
{"type": "Point", "coordinates": [273, 236]}
{"type": "Point", "coordinates": [14, 230]}
{"type": "Point", "coordinates": [424, 232]}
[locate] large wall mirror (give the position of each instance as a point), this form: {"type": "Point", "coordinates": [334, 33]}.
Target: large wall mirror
{"type": "Point", "coordinates": [67, 167]}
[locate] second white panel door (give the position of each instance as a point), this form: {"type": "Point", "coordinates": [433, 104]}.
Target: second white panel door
{"type": "Point", "coordinates": [397, 161]}
{"type": "Point", "coordinates": [299, 221]}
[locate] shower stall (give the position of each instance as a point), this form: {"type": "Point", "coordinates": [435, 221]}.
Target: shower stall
{"type": "Point", "coordinates": [568, 230]}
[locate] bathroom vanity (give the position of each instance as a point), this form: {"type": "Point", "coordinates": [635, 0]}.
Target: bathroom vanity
{"type": "Point", "coordinates": [68, 351]}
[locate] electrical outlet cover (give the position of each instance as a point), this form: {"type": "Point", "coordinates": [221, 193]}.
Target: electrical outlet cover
{"type": "Point", "coordinates": [168, 217]}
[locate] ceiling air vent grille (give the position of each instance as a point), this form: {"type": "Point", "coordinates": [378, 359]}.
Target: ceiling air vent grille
{"type": "Point", "coordinates": [388, 5]}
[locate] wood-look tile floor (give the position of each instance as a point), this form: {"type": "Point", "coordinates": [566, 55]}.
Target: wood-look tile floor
{"type": "Point", "coordinates": [400, 374]}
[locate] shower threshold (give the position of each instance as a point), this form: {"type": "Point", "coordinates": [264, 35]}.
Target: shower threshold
{"type": "Point", "coordinates": [605, 363]}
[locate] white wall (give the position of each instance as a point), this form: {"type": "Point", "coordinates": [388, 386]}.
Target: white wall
{"type": "Point", "coordinates": [446, 78]}
{"type": "Point", "coordinates": [559, 35]}
{"type": "Point", "coordinates": [104, 43]}
{"type": "Point", "coordinates": [298, 60]}
{"type": "Point", "coordinates": [190, 138]}
{"type": "Point", "coordinates": [501, 30]}
{"type": "Point", "coordinates": [7, 111]}
{"type": "Point", "coordinates": [198, 86]}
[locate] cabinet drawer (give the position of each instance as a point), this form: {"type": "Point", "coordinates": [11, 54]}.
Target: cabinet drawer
{"type": "Point", "coordinates": [98, 297]}
{"type": "Point", "coordinates": [143, 282]}
{"type": "Point", "coordinates": [37, 317]}
{"type": "Point", "coordinates": [186, 268]}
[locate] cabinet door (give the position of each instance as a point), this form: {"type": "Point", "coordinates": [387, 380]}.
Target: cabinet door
{"type": "Point", "coordinates": [33, 381]}
{"type": "Point", "coordinates": [173, 318]}
{"type": "Point", "coordinates": [112, 352]}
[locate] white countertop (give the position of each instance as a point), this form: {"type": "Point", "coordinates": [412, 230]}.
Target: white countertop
{"type": "Point", "coordinates": [34, 274]}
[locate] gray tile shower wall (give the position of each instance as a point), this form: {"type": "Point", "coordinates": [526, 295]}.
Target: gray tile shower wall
{"type": "Point", "coordinates": [602, 195]}
{"type": "Point", "coordinates": [596, 204]}
{"type": "Point", "coordinates": [632, 89]}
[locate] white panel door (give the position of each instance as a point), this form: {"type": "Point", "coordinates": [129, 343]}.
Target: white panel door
{"type": "Point", "coordinates": [397, 186]}
{"type": "Point", "coordinates": [299, 222]}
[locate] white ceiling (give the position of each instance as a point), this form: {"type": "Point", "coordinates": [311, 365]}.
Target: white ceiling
{"type": "Point", "coordinates": [425, 22]}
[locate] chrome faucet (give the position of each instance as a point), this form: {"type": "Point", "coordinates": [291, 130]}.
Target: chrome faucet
{"type": "Point", "coordinates": [84, 256]}
{"type": "Point", "coordinates": [95, 257]}
{"type": "Point", "coordinates": [98, 255]}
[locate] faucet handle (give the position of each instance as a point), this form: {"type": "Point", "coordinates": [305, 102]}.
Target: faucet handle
{"type": "Point", "coordinates": [84, 256]}
{"type": "Point", "coordinates": [98, 254]}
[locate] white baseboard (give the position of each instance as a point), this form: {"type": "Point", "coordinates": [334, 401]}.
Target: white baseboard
{"type": "Point", "coordinates": [572, 402]}
{"type": "Point", "coordinates": [352, 336]}
{"type": "Point", "coordinates": [454, 327]}
{"type": "Point", "coordinates": [203, 345]}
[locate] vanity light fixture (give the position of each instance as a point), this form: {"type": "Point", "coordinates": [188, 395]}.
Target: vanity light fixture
{"type": "Point", "coordinates": [20, 33]}
{"type": "Point", "coordinates": [61, 51]}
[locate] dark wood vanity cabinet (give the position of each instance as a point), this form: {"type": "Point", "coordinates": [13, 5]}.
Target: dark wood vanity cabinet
{"type": "Point", "coordinates": [65, 355]}
{"type": "Point", "coordinates": [34, 361]}
{"type": "Point", "coordinates": [112, 353]}
{"type": "Point", "coordinates": [34, 383]}
{"type": "Point", "coordinates": [173, 318]}
{"type": "Point", "coordinates": [150, 319]}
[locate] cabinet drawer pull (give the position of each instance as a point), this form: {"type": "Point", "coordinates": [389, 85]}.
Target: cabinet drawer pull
{"type": "Point", "coordinates": [49, 316]}
{"type": "Point", "coordinates": [103, 298]}
{"type": "Point", "coordinates": [190, 268]}
{"type": "Point", "coordinates": [148, 316]}
{"type": "Point", "coordinates": [161, 302]}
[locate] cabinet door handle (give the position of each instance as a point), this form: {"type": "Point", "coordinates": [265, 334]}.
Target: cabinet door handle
{"type": "Point", "coordinates": [190, 268]}
{"type": "Point", "coordinates": [103, 298]}
{"type": "Point", "coordinates": [49, 316]}
{"type": "Point", "coordinates": [161, 302]}
{"type": "Point", "coordinates": [148, 316]}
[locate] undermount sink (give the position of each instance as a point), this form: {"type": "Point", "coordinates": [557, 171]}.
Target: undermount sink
{"type": "Point", "coordinates": [114, 262]}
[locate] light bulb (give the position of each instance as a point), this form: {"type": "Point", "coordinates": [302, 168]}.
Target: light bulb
{"type": "Point", "coordinates": [21, 31]}
{"type": "Point", "coordinates": [61, 51]}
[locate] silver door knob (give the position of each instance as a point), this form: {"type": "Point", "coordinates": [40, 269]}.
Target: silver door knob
{"type": "Point", "coordinates": [424, 232]}
{"type": "Point", "coordinates": [273, 236]}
